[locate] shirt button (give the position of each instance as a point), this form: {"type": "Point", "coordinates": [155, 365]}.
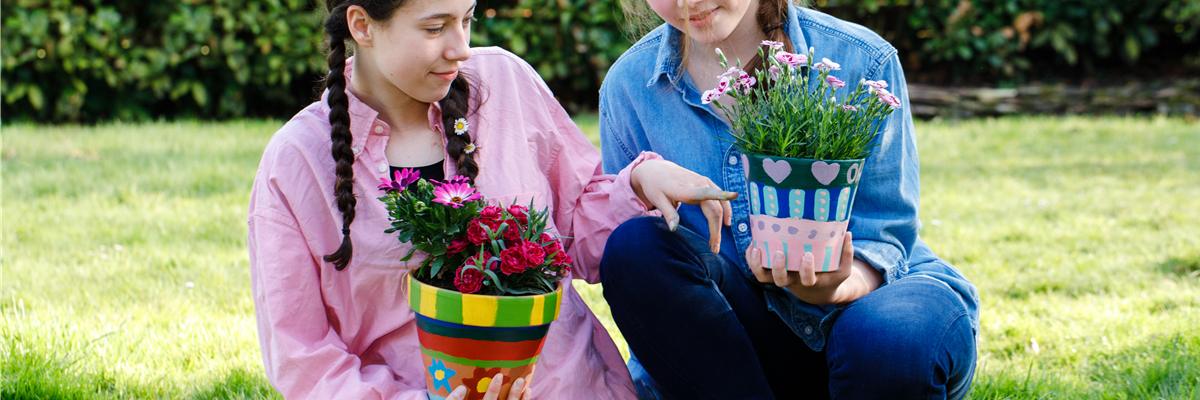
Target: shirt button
{"type": "Point", "coordinates": [383, 167]}
{"type": "Point", "coordinates": [742, 227]}
{"type": "Point", "coordinates": [355, 150]}
{"type": "Point", "coordinates": [732, 160]}
{"type": "Point", "coordinates": [807, 330]}
{"type": "Point", "coordinates": [378, 128]}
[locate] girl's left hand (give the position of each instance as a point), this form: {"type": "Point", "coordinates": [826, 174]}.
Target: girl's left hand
{"type": "Point", "coordinates": [852, 279]}
{"type": "Point", "coordinates": [663, 184]}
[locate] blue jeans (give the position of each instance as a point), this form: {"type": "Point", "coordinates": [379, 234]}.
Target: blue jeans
{"type": "Point", "coordinates": [702, 330]}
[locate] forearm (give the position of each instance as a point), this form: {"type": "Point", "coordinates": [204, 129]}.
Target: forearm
{"type": "Point", "coordinates": [863, 279]}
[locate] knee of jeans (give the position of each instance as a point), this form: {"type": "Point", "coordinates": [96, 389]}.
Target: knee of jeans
{"type": "Point", "coordinates": [629, 245]}
{"type": "Point", "coordinates": [915, 330]}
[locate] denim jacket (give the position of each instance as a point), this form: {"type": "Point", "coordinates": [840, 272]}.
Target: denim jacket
{"type": "Point", "coordinates": [646, 104]}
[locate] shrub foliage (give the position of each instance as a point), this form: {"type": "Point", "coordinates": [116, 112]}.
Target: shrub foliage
{"type": "Point", "coordinates": [91, 60]}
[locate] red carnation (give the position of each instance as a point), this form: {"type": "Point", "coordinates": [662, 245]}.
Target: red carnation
{"type": "Point", "coordinates": [563, 259]}
{"type": "Point", "coordinates": [520, 213]}
{"type": "Point", "coordinates": [476, 234]}
{"type": "Point", "coordinates": [513, 233]}
{"type": "Point", "coordinates": [533, 253]}
{"type": "Point", "coordinates": [468, 279]}
{"type": "Point", "coordinates": [511, 261]}
{"type": "Point", "coordinates": [492, 213]}
{"type": "Point", "coordinates": [480, 260]}
{"type": "Point", "coordinates": [455, 247]}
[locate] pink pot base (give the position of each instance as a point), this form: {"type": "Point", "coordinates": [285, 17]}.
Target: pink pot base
{"type": "Point", "coordinates": [795, 237]}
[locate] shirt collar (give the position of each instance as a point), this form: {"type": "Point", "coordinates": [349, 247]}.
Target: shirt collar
{"type": "Point", "coordinates": [364, 120]}
{"type": "Point", "coordinates": [668, 58]}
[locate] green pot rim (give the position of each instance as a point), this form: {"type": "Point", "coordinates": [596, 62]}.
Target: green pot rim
{"type": "Point", "coordinates": [483, 310]}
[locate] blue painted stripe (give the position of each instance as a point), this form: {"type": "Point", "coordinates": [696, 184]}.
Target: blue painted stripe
{"type": "Point", "coordinates": [828, 255]}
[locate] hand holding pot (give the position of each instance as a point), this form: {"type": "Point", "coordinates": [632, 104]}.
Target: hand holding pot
{"type": "Point", "coordinates": [820, 288]}
{"type": "Point", "coordinates": [518, 391]}
{"type": "Point", "coordinates": [663, 184]}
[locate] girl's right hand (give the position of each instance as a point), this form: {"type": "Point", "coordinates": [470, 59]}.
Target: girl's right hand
{"type": "Point", "coordinates": [518, 391]}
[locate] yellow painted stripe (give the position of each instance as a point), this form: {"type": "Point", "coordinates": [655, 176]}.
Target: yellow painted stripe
{"type": "Point", "coordinates": [535, 317]}
{"type": "Point", "coordinates": [557, 305]}
{"type": "Point", "coordinates": [428, 301]}
{"type": "Point", "coordinates": [479, 310]}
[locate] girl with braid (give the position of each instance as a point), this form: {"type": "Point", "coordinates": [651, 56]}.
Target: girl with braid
{"type": "Point", "coordinates": [332, 321]}
{"type": "Point", "coordinates": [894, 321]}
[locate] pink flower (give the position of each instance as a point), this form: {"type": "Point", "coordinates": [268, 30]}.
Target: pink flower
{"type": "Point", "coordinates": [791, 59]}
{"type": "Point", "coordinates": [745, 82]}
{"type": "Point", "coordinates": [455, 194]}
{"type": "Point", "coordinates": [492, 213]}
{"type": "Point", "coordinates": [774, 72]}
{"type": "Point", "coordinates": [533, 253]}
{"type": "Point", "coordinates": [455, 247]}
{"type": "Point", "coordinates": [848, 107]}
{"type": "Point", "coordinates": [710, 96]}
{"type": "Point", "coordinates": [731, 72]}
{"type": "Point", "coordinates": [404, 177]}
{"type": "Point", "coordinates": [468, 279]}
{"type": "Point", "coordinates": [875, 85]}
{"type": "Point", "coordinates": [511, 261]}
{"type": "Point", "coordinates": [835, 82]}
{"type": "Point", "coordinates": [888, 98]}
{"type": "Point", "coordinates": [520, 213]}
{"type": "Point", "coordinates": [826, 65]}
{"type": "Point", "coordinates": [773, 44]}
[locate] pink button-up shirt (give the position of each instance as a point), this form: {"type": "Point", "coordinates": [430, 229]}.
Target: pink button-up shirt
{"type": "Point", "coordinates": [350, 334]}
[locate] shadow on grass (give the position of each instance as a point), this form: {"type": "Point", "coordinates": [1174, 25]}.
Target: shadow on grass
{"type": "Point", "coordinates": [1182, 266]}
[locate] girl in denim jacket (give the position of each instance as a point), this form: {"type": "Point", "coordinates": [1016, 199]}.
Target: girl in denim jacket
{"type": "Point", "coordinates": [894, 321]}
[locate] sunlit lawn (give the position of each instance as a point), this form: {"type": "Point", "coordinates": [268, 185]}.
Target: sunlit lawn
{"type": "Point", "coordinates": [124, 269]}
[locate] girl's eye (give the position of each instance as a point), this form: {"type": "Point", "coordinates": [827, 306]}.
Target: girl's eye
{"type": "Point", "coordinates": [468, 21]}
{"type": "Point", "coordinates": [435, 30]}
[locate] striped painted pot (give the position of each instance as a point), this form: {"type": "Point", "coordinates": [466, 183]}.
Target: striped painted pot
{"type": "Point", "coordinates": [801, 205]}
{"type": "Point", "coordinates": [467, 338]}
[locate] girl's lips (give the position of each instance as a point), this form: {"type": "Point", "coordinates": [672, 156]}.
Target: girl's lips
{"type": "Point", "coordinates": [446, 76]}
{"type": "Point", "coordinates": [701, 19]}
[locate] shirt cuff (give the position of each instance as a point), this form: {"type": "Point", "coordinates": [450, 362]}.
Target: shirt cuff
{"type": "Point", "coordinates": [622, 192]}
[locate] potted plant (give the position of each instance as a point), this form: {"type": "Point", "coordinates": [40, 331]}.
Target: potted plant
{"type": "Point", "coordinates": [490, 286]}
{"type": "Point", "coordinates": [804, 145]}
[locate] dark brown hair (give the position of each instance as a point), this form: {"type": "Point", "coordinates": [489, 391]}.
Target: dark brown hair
{"type": "Point", "coordinates": [454, 106]}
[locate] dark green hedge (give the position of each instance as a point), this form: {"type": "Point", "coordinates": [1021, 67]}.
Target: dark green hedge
{"type": "Point", "coordinates": [1012, 41]}
{"type": "Point", "coordinates": [92, 60]}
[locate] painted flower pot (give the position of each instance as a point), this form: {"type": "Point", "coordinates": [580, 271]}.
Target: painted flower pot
{"type": "Point", "coordinates": [801, 205]}
{"type": "Point", "coordinates": [467, 338]}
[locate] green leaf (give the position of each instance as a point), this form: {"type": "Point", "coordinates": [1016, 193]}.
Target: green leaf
{"type": "Point", "coordinates": [35, 97]}
{"type": "Point", "coordinates": [199, 94]}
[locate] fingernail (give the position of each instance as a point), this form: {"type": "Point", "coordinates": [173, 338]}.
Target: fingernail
{"type": "Point", "coordinates": [755, 252]}
{"type": "Point", "coordinates": [808, 257]}
{"type": "Point", "coordinates": [673, 224]}
{"type": "Point", "coordinates": [459, 391]}
{"type": "Point", "coordinates": [779, 256]}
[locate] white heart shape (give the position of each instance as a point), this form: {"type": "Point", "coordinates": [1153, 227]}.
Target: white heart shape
{"type": "Point", "coordinates": [777, 170]}
{"type": "Point", "coordinates": [825, 172]}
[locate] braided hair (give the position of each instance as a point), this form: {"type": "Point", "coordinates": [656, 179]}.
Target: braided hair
{"type": "Point", "coordinates": [454, 106]}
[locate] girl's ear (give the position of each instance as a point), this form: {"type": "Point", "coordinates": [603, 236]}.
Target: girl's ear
{"type": "Point", "coordinates": [359, 24]}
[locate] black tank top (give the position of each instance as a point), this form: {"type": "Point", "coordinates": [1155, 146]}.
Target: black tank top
{"type": "Point", "coordinates": [428, 172]}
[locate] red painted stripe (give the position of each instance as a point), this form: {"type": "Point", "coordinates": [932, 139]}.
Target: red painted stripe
{"type": "Point", "coordinates": [481, 349]}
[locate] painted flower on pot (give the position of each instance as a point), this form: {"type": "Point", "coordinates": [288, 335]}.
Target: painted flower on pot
{"type": "Point", "coordinates": [441, 375]}
{"type": "Point", "coordinates": [478, 383]}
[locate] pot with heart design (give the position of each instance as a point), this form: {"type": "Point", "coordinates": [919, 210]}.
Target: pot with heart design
{"type": "Point", "coordinates": [801, 205]}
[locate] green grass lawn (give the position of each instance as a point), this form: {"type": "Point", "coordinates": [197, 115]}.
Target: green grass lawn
{"type": "Point", "coordinates": [124, 268]}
